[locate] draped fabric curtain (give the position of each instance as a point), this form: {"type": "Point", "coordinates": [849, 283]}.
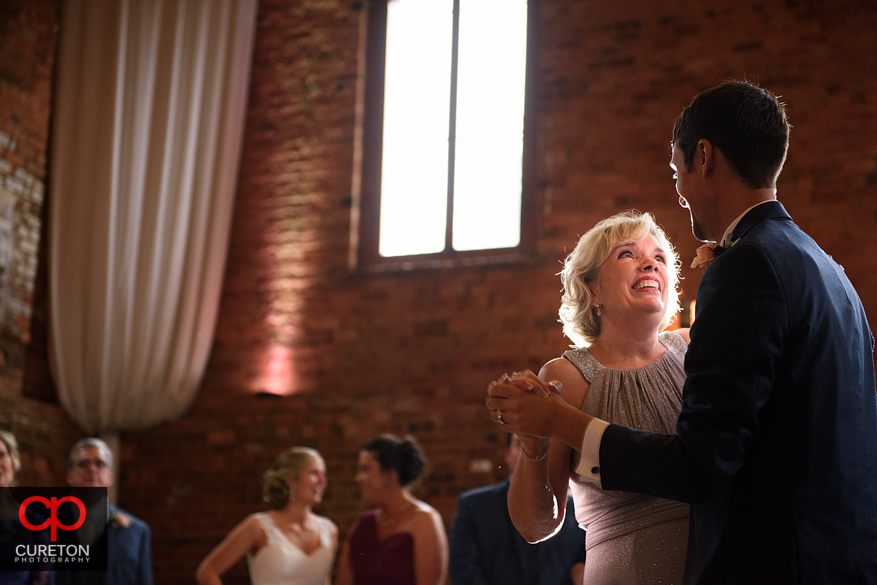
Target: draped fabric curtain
{"type": "Point", "coordinates": [148, 118]}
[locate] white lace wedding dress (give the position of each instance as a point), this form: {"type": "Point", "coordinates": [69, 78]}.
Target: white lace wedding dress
{"type": "Point", "coordinates": [282, 563]}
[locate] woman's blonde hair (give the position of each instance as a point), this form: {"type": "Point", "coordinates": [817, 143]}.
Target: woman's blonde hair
{"type": "Point", "coordinates": [287, 465]}
{"type": "Point", "coordinates": [580, 321]}
{"type": "Point", "coordinates": [11, 448]}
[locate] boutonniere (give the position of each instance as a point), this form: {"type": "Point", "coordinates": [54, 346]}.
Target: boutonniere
{"type": "Point", "coordinates": [709, 252]}
{"type": "Point", "coordinates": [121, 520]}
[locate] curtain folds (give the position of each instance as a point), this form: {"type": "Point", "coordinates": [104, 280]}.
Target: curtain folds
{"type": "Point", "coordinates": [150, 100]}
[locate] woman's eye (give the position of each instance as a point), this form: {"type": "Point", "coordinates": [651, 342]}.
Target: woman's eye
{"type": "Point", "coordinates": [661, 259]}
{"type": "Point", "coordinates": [625, 253]}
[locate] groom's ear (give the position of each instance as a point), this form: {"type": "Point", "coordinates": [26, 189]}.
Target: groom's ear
{"type": "Point", "coordinates": [704, 156]}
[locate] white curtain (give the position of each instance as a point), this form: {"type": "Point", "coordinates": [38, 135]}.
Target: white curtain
{"type": "Point", "coordinates": [148, 118]}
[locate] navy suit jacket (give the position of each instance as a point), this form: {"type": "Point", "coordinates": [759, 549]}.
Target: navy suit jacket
{"type": "Point", "coordinates": [776, 443]}
{"type": "Point", "coordinates": [486, 548]}
{"type": "Point", "coordinates": [129, 556]}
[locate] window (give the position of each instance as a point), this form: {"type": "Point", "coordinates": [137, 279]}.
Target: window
{"type": "Point", "coordinates": [446, 144]}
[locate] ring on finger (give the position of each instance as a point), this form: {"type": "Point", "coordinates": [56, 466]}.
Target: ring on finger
{"type": "Point", "coordinates": [499, 417]}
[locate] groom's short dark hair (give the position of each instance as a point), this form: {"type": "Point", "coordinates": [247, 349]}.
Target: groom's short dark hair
{"type": "Point", "coordinates": [745, 122]}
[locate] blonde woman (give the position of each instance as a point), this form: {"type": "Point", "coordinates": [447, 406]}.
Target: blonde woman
{"type": "Point", "coordinates": [620, 293]}
{"type": "Point", "coordinates": [288, 545]}
{"type": "Point", "coordinates": [10, 527]}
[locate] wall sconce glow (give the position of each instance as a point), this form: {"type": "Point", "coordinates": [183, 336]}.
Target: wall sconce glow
{"type": "Point", "coordinates": [277, 376]}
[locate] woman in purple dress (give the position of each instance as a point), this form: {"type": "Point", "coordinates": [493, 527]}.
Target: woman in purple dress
{"type": "Point", "coordinates": [402, 541]}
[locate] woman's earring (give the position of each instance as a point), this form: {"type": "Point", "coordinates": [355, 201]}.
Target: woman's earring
{"type": "Point", "coordinates": [597, 309]}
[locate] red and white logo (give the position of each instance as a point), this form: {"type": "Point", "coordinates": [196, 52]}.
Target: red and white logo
{"type": "Point", "coordinates": [51, 505]}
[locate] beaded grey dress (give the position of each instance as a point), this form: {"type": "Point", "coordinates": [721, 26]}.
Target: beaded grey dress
{"type": "Point", "coordinates": [633, 539]}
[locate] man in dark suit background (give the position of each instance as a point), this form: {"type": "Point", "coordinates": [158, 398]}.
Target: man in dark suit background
{"type": "Point", "coordinates": [776, 443]}
{"type": "Point", "coordinates": [486, 549]}
{"type": "Point", "coordinates": [128, 540]}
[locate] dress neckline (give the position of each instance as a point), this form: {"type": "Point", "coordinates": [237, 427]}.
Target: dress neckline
{"type": "Point", "coordinates": [589, 366]}
{"type": "Point", "coordinates": [374, 520]}
{"type": "Point", "coordinates": [292, 544]}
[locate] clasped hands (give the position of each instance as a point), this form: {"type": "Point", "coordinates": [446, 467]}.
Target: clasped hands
{"type": "Point", "coordinates": [524, 404]}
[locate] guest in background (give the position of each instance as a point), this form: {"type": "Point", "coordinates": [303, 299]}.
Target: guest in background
{"type": "Point", "coordinates": [128, 539]}
{"type": "Point", "coordinates": [402, 541]}
{"type": "Point", "coordinates": [289, 544]}
{"type": "Point", "coordinates": [486, 549]}
{"type": "Point", "coordinates": [12, 533]}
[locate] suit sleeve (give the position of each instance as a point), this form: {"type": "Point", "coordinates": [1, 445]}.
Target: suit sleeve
{"type": "Point", "coordinates": [576, 534]}
{"type": "Point", "coordinates": [144, 576]}
{"type": "Point", "coordinates": [464, 552]}
{"type": "Point", "coordinates": [736, 347]}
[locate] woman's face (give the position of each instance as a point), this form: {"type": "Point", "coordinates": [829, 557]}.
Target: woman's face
{"type": "Point", "coordinates": [372, 481]}
{"type": "Point", "coordinates": [311, 482]}
{"type": "Point", "coordinates": [634, 280]}
{"type": "Point", "coordinates": [7, 473]}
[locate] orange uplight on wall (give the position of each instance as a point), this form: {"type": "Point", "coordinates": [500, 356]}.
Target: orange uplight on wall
{"type": "Point", "coordinates": [277, 376]}
{"type": "Point", "coordinates": [691, 312]}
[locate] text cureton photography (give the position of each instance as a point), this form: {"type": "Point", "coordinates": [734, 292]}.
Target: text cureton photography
{"type": "Point", "coordinates": [54, 553]}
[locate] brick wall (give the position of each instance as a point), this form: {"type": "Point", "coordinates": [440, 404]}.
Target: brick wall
{"type": "Point", "coordinates": [27, 405]}
{"type": "Point", "coordinates": [412, 353]}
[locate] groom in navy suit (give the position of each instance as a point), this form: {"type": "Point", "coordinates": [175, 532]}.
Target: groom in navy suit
{"type": "Point", "coordinates": [776, 443]}
{"type": "Point", "coordinates": [128, 540]}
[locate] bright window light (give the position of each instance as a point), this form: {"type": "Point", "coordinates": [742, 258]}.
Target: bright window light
{"type": "Point", "coordinates": [488, 140]}
{"type": "Point", "coordinates": [490, 124]}
{"type": "Point", "coordinates": [414, 175]}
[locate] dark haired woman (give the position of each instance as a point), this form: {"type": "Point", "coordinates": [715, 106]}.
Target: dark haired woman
{"type": "Point", "coordinates": [289, 545]}
{"type": "Point", "coordinates": [402, 541]}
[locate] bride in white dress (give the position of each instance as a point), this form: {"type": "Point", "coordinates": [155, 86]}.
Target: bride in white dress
{"type": "Point", "coordinates": [289, 545]}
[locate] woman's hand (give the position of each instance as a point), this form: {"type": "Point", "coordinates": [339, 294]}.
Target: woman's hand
{"type": "Point", "coordinates": [528, 406]}
{"type": "Point", "coordinates": [530, 382]}
{"type": "Point", "coordinates": [523, 404]}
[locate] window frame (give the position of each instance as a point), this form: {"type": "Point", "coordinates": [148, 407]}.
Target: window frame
{"type": "Point", "coordinates": [366, 193]}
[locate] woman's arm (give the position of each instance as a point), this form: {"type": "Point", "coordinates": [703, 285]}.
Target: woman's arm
{"type": "Point", "coordinates": [345, 572]}
{"type": "Point", "coordinates": [430, 548]}
{"type": "Point", "coordinates": [334, 549]}
{"type": "Point", "coordinates": [245, 536]}
{"type": "Point", "coordinates": [537, 495]}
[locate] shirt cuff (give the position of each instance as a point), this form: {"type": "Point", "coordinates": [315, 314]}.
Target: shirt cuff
{"type": "Point", "coordinates": [589, 465]}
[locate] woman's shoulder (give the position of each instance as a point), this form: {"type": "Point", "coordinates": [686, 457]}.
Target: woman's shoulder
{"type": "Point", "coordinates": [426, 520]}
{"type": "Point", "coordinates": [424, 513]}
{"type": "Point", "coordinates": [574, 384]}
{"type": "Point", "coordinates": [422, 508]}
{"type": "Point", "coordinates": [561, 366]}
{"type": "Point", "coordinates": [676, 341]}
{"type": "Point", "coordinates": [323, 521]}
{"type": "Point", "coordinates": [260, 519]}
{"type": "Point", "coordinates": [583, 362]}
